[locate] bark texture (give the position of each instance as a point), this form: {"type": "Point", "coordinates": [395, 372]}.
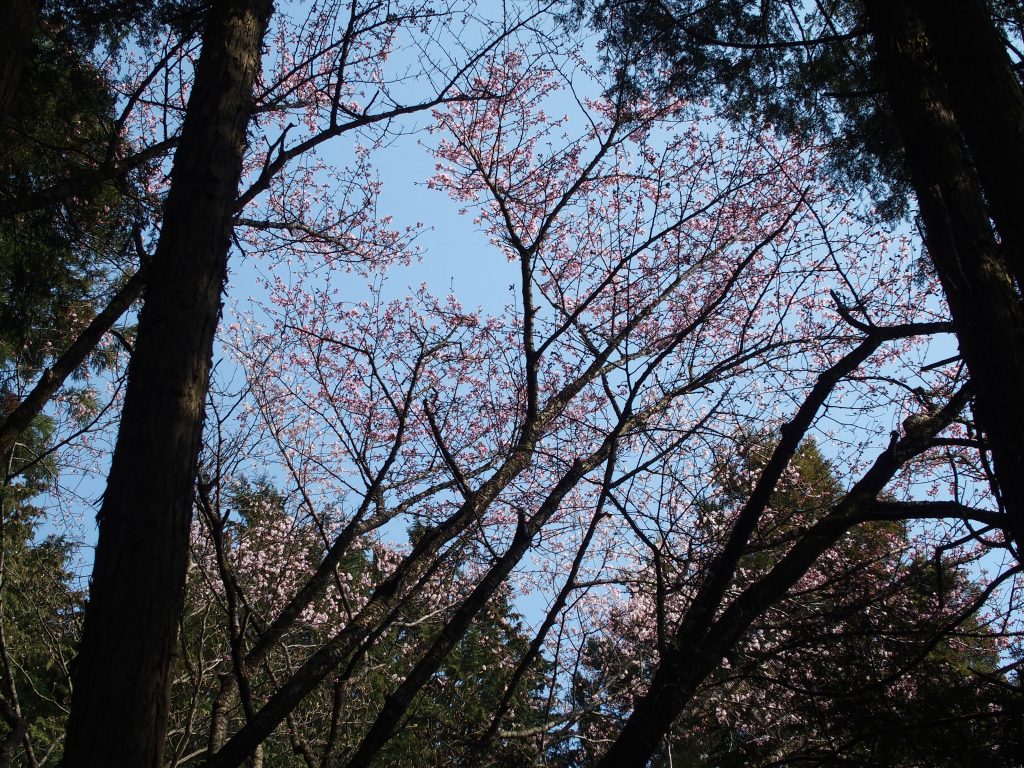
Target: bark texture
{"type": "Point", "coordinates": [18, 21]}
{"type": "Point", "coordinates": [122, 674]}
{"type": "Point", "coordinates": [976, 277]}
{"type": "Point", "coordinates": [988, 103]}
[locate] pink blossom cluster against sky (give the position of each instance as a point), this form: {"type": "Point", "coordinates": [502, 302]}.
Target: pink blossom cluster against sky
{"type": "Point", "coordinates": [449, 242]}
{"type": "Point", "coordinates": [414, 228]}
{"type": "Point", "coordinates": [678, 267]}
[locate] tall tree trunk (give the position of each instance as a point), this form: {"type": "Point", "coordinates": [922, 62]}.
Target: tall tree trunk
{"type": "Point", "coordinates": [18, 21]}
{"type": "Point", "coordinates": [978, 282]}
{"type": "Point", "coordinates": [122, 674]}
{"type": "Point", "coordinates": [988, 103]}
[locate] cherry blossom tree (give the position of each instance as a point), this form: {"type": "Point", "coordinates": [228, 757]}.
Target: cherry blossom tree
{"type": "Point", "coordinates": [680, 293]}
{"type": "Point", "coordinates": [676, 284]}
{"type": "Point", "coordinates": [876, 640]}
{"type": "Point", "coordinates": [914, 100]}
{"type": "Point", "coordinates": [251, 555]}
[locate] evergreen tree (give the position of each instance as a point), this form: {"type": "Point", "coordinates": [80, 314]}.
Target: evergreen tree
{"type": "Point", "coordinates": [39, 616]}
{"type": "Point", "coordinates": [875, 658]}
{"type": "Point", "coordinates": [63, 263]}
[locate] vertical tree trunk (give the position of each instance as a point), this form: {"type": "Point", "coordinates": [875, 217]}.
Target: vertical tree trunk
{"type": "Point", "coordinates": [988, 102]}
{"type": "Point", "coordinates": [986, 307]}
{"type": "Point", "coordinates": [18, 20]}
{"type": "Point", "coordinates": [122, 675]}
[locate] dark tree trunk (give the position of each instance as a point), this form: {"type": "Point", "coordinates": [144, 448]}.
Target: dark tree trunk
{"type": "Point", "coordinates": [689, 657]}
{"type": "Point", "coordinates": [988, 102]}
{"type": "Point", "coordinates": [978, 282]}
{"type": "Point", "coordinates": [122, 674]}
{"type": "Point", "coordinates": [18, 21]}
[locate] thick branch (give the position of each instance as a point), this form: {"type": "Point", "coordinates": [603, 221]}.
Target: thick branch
{"type": "Point", "coordinates": [21, 417]}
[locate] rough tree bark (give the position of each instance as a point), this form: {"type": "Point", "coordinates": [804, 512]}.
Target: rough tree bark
{"type": "Point", "coordinates": [978, 281]}
{"type": "Point", "coordinates": [122, 674]}
{"type": "Point", "coordinates": [18, 21]}
{"type": "Point", "coordinates": [988, 102]}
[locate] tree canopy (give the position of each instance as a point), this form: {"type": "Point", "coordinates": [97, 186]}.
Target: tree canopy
{"type": "Point", "coordinates": [707, 484]}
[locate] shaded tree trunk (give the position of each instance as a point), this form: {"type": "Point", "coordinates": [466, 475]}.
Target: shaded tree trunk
{"type": "Point", "coordinates": [988, 103]}
{"type": "Point", "coordinates": [978, 282]}
{"type": "Point", "coordinates": [122, 674]}
{"type": "Point", "coordinates": [18, 21]}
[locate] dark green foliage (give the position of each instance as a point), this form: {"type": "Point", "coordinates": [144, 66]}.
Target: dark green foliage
{"type": "Point", "coordinates": [457, 705]}
{"type": "Point", "coordinates": [803, 68]}
{"type": "Point", "coordinates": [39, 613]}
{"type": "Point", "coordinates": [40, 623]}
{"type": "Point", "coordinates": [91, 23]}
{"type": "Point", "coordinates": [60, 262]}
{"type": "Point", "coordinates": [270, 552]}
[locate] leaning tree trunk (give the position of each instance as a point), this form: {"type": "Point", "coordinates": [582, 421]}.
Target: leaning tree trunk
{"type": "Point", "coordinates": [703, 638]}
{"type": "Point", "coordinates": [978, 281]}
{"type": "Point", "coordinates": [122, 675]}
{"type": "Point", "coordinates": [988, 102]}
